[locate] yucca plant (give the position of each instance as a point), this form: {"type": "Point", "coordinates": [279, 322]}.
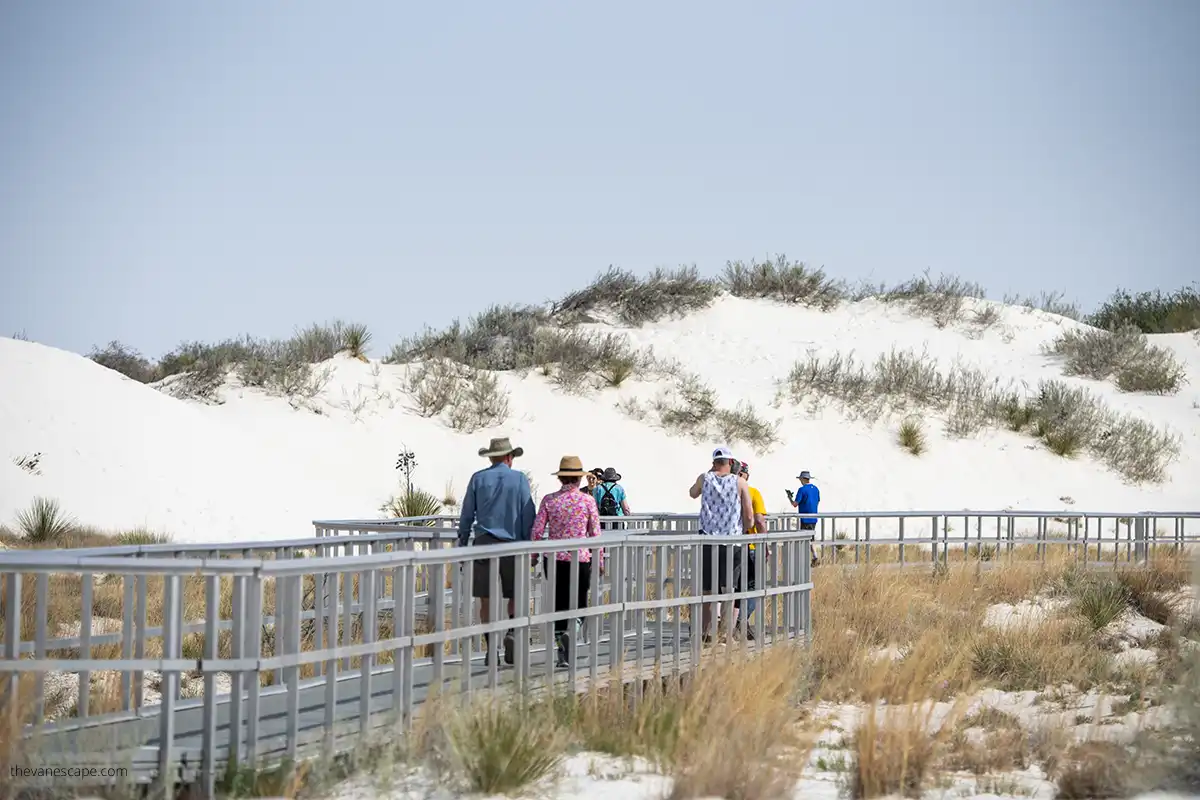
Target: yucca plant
{"type": "Point", "coordinates": [44, 521]}
{"type": "Point", "coordinates": [912, 436]}
{"type": "Point", "coordinates": [1100, 601]}
{"type": "Point", "coordinates": [413, 502]}
{"type": "Point", "coordinates": [356, 339]}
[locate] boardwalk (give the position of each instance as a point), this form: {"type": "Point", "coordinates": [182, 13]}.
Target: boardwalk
{"type": "Point", "coordinates": [326, 638]}
{"type": "Point", "coordinates": [132, 739]}
{"type": "Point", "coordinates": [350, 634]}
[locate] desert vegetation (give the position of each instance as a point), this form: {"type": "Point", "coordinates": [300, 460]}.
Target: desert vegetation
{"type": "Point", "coordinates": [1068, 420]}
{"type": "Point", "coordinates": [1123, 354]}
{"type": "Point", "coordinates": [911, 436]}
{"type": "Point", "coordinates": [1150, 312]}
{"type": "Point", "coordinates": [196, 370]}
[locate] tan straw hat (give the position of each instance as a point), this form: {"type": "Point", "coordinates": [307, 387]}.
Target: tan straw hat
{"type": "Point", "coordinates": [570, 467]}
{"type": "Point", "coordinates": [498, 448]}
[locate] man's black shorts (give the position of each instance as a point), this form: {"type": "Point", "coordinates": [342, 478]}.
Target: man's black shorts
{"type": "Point", "coordinates": [721, 555]}
{"type": "Point", "coordinates": [480, 586]}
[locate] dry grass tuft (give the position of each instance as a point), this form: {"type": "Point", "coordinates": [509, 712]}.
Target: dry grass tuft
{"type": "Point", "coordinates": [502, 746]}
{"type": "Point", "coordinates": [1094, 770]}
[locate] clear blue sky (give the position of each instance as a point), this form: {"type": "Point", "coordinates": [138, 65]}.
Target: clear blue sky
{"type": "Point", "coordinates": [199, 170]}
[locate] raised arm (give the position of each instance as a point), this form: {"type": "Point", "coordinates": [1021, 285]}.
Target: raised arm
{"type": "Point", "coordinates": [697, 487]}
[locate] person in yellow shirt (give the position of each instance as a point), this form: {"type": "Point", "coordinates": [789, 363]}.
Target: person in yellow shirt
{"type": "Point", "coordinates": [759, 509]}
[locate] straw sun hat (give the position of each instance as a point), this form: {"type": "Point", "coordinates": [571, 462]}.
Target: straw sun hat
{"type": "Point", "coordinates": [570, 467]}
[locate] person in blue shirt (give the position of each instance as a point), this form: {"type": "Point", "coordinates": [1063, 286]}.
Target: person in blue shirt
{"type": "Point", "coordinates": [610, 496]}
{"type": "Point", "coordinates": [498, 508]}
{"type": "Point", "coordinates": [806, 501]}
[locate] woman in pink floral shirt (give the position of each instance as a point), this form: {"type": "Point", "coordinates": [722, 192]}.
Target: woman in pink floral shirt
{"type": "Point", "coordinates": [568, 514]}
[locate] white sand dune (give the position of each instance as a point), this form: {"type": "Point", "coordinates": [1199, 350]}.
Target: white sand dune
{"type": "Point", "coordinates": [119, 455]}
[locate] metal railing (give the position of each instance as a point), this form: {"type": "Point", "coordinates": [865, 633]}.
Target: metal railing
{"type": "Point", "coordinates": [302, 646]}
{"type": "Point", "coordinates": [934, 536]}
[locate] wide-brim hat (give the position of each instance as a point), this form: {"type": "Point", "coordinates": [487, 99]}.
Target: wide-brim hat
{"type": "Point", "coordinates": [805, 475]}
{"type": "Point", "coordinates": [498, 448]}
{"type": "Point", "coordinates": [610, 475]}
{"type": "Point", "coordinates": [570, 467]}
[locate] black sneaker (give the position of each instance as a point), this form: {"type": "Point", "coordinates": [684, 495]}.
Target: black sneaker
{"type": "Point", "coordinates": [744, 632]}
{"type": "Point", "coordinates": [563, 649]}
{"type": "Point", "coordinates": [509, 649]}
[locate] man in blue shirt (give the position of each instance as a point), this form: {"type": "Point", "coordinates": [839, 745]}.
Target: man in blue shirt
{"type": "Point", "coordinates": [498, 507]}
{"type": "Point", "coordinates": [806, 501]}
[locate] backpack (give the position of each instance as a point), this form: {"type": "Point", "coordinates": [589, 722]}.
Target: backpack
{"type": "Point", "coordinates": [608, 503]}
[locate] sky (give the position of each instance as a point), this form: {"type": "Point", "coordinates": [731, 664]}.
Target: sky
{"type": "Point", "coordinates": [194, 171]}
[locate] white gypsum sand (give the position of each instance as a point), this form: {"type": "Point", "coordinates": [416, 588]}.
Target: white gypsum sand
{"type": "Point", "coordinates": [119, 455]}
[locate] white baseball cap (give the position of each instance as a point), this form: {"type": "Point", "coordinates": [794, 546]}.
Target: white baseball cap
{"type": "Point", "coordinates": [722, 452]}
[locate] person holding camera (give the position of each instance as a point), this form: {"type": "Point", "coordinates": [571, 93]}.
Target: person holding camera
{"type": "Point", "coordinates": [726, 509]}
{"type": "Point", "coordinates": [806, 501]}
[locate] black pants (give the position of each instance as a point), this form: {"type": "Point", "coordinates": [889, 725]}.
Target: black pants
{"type": "Point", "coordinates": [562, 588]}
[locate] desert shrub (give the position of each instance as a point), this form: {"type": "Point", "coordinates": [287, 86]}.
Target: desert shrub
{"type": "Point", "coordinates": [1150, 312]}
{"type": "Point", "coordinates": [1069, 420]}
{"type": "Point", "coordinates": [576, 360]}
{"type": "Point", "coordinates": [912, 436]}
{"type": "Point", "coordinates": [985, 317]}
{"type": "Point", "coordinates": [501, 747]}
{"type": "Point", "coordinates": [1050, 302]}
{"type": "Point", "coordinates": [412, 502]}
{"type": "Point", "coordinates": [501, 338]}
{"type": "Point", "coordinates": [319, 342]}
{"type": "Point", "coordinates": [279, 367]}
{"type": "Point", "coordinates": [897, 381]}
{"type": "Point", "coordinates": [434, 385]}
{"type": "Point", "coordinates": [635, 301]}
{"type": "Point", "coordinates": [688, 407]}
{"type": "Point", "coordinates": [44, 522]}
{"type": "Point", "coordinates": [203, 381]}
{"type": "Point", "coordinates": [1146, 586]}
{"type": "Point", "coordinates": [1094, 770]}
{"type": "Point", "coordinates": [471, 399]}
{"type": "Point", "coordinates": [125, 360]}
{"type": "Point", "coordinates": [1157, 372]}
{"type": "Point", "coordinates": [1136, 449]}
{"type": "Point", "coordinates": [483, 403]}
{"type": "Point", "coordinates": [1124, 354]}
{"type": "Point", "coordinates": [743, 424]}
{"type": "Point", "coordinates": [1100, 600]}
{"type": "Point", "coordinates": [940, 299]}
{"type": "Point", "coordinates": [788, 282]}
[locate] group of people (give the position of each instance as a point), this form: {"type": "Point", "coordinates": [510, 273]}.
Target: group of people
{"type": "Point", "coordinates": [498, 508]}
